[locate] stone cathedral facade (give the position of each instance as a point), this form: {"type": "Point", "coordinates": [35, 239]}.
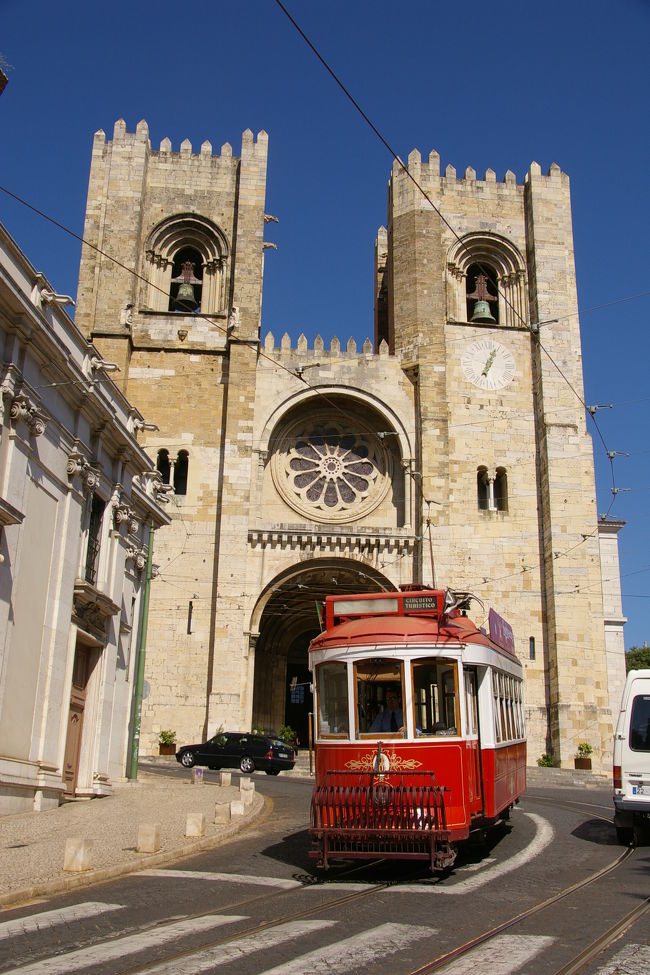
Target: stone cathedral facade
{"type": "Point", "coordinates": [452, 450]}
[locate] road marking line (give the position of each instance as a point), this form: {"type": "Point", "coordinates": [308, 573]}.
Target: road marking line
{"type": "Point", "coordinates": [633, 958]}
{"type": "Point", "coordinates": [235, 878]}
{"type": "Point", "coordinates": [99, 954]}
{"type": "Point", "coordinates": [225, 954]}
{"type": "Point", "coordinates": [504, 955]}
{"type": "Point", "coordinates": [49, 919]}
{"type": "Point", "coordinates": [543, 838]}
{"type": "Point", "coordinates": [355, 953]}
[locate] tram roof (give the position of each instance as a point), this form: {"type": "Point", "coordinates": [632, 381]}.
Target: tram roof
{"type": "Point", "coordinates": [405, 630]}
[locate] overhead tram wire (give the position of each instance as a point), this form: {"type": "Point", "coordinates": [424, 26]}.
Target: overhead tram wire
{"type": "Point", "coordinates": [422, 191]}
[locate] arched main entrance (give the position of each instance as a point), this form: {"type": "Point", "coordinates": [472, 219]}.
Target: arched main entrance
{"type": "Point", "coordinates": [288, 619]}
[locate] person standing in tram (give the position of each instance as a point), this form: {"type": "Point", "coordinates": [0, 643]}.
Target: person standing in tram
{"type": "Point", "coordinates": [392, 717]}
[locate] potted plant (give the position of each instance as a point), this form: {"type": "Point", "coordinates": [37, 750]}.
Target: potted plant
{"type": "Point", "coordinates": [545, 760]}
{"type": "Point", "coordinates": [583, 755]}
{"type": "Point", "coordinates": [288, 735]}
{"type": "Point", "coordinates": [167, 743]}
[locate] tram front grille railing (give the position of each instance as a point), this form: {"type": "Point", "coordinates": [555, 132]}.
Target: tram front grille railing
{"type": "Point", "coordinates": [398, 812]}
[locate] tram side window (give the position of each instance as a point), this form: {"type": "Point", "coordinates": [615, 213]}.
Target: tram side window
{"type": "Point", "coordinates": [435, 699]}
{"type": "Point", "coordinates": [471, 702]}
{"type": "Point", "coordinates": [380, 696]}
{"type": "Point", "coordinates": [332, 687]}
{"type": "Point", "coordinates": [508, 711]}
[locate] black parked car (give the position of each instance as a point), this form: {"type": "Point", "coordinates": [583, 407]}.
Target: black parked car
{"type": "Point", "coordinates": [239, 750]}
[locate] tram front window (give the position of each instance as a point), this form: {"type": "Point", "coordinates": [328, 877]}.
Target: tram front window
{"type": "Point", "coordinates": [380, 695]}
{"type": "Point", "coordinates": [435, 696]}
{"type": "Point", "coordinates": [332, 685]}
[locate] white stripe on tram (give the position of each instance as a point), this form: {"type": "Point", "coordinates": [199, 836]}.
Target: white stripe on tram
{"type": "Point", "coordinates": [100, 954]}
{"type": "Point", "coordinates": [503, 956]}
{"type": "Point", "coordinates": [234, 878]}
{"type": "Point", "coordinates": [225, 954]}
{"type": "Point", "coordinates": [50, 919]}
{"type": "Point", "coordinates": [632, 958]}
{"type": "Point", "coordinates": [355, 953]}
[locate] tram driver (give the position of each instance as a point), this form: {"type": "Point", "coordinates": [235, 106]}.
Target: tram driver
{"type": "Point", "coordinates": [392, 716]}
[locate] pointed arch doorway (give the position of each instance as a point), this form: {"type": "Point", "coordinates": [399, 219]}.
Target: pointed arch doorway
{"type": "Point", "coordinates": [287, 619]}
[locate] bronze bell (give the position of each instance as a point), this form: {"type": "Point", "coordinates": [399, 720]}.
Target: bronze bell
{"type": "Point", "coordinates": [482, 313]}
{"type": "Point", "coordinates": [185, 300]}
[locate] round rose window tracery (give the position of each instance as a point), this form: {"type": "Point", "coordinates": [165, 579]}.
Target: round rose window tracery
{"type": "Point", "coordinates": [328, 473]}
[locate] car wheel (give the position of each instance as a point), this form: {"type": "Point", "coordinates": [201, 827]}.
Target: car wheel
{"type": "Point", "coordinates": [187, 759]}
{"type": "Point", "coordinates": [272, 771]}
{"type": "Point", "coordinates": [247, 764]}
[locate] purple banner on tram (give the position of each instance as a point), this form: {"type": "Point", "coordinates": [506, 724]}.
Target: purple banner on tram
{"type": "Point", "coordinates": [501, 632]}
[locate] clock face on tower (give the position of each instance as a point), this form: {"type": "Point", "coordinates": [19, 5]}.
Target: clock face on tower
{"type": "Point", "coordinates": [488, 364]}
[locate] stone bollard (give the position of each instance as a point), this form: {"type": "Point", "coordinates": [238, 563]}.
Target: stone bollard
{"type": "Point", "coordinates": [225, 778]}
{"type": "Point", "coordinates": [195, 824]}
{"type": "Point", "coordinates": [236, 807]}
{"type": "Point", "coordinates": [197, 776]}
{"type": "Point", "coordinates": [77, 854]}
{"type": "Point", "coordinates": [148, 838]}
{"type": "Point", "coordinates": [246, 791]}
{"type": "Point", "coordinates": [222, 813]}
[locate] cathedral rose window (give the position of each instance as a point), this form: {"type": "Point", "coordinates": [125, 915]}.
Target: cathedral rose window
{"type": "Point", "coordinates": [328, 473]}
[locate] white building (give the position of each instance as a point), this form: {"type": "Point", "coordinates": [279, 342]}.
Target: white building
{"type": "Point", "coordinates": [78, 498]}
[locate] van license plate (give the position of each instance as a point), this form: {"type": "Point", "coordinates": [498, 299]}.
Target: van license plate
{"type": "Point", "coordinates": [638, 790]}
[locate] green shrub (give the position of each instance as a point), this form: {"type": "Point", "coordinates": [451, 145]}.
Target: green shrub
{"type": "Point", "coordinates": [287, 734]}
{"type": "Point", "coordinates": [167, 737]}
{"type": "Point", "coordinates": [545, 760]}
{"type": "Point", "coordinates": [584, 749]}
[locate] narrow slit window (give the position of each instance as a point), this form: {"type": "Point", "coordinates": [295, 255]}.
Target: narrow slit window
{"type": "Point", "coordinates": [180, 472]}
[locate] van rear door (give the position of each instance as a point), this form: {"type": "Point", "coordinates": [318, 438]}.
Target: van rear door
{"type": "Point", "coordinates": [635, 743]}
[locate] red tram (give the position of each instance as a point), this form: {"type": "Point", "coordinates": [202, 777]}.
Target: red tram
{"type": "Point", "coordinates": [419, 726]}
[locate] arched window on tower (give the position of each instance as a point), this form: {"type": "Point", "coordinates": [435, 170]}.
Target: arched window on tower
{"type": "Point", "coordinates": [163, 465]}
{"type": "Point", "coordinates": [482, 294]}
{"type": "Point", "coordinates": [185, 267]}
{"type": "Point", "coordinates": [486, 281]}
{"type": "Point", "coordinates": [180, 472]}
{"type": "Point", "coordinates": [492, 489]}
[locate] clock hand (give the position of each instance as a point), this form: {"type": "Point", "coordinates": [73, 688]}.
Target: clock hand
{"type": "Point", "coordinates": [489, 362]}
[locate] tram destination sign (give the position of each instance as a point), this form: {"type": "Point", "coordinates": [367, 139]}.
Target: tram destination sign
{"type": "Point", "coordinates": [420, 603]}
{"type": "Point", "coordinates": [501, 632]}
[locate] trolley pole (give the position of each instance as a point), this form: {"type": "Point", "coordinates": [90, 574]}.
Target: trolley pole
{"type": "Point", "coordinates": [139, 681]}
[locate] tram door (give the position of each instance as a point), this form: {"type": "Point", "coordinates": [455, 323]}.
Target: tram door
{"type": "Point", "coordinates": [474, 772]}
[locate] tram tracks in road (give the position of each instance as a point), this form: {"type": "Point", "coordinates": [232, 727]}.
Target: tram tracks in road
{"type": "Point", "coordinates": [286, 910]}
{"type": "Point", "coordinates": [581, 960]}
{"type": "Point", "coordinates": [437, 964]}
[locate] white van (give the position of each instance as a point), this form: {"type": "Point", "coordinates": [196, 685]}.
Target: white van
{"type": "Point", "coordinates": [632, 759]}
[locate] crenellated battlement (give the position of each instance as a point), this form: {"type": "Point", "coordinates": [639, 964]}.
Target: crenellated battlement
{"type": "Point", "coordinates": [121, 137]}
{"type": "Point", "coordinates": [425, 172]}
{"type": "Point", "coordinates": [335, 350]}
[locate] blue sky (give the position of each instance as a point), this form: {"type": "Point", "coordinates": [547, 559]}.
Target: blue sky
{"type": "Point", "coordinates": [486, 85]}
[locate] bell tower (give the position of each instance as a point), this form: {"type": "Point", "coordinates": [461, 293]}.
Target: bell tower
{"type": "Point", "coordinates": [170, 290]}
{"type": "Point", "coordinates": [478, 300]}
